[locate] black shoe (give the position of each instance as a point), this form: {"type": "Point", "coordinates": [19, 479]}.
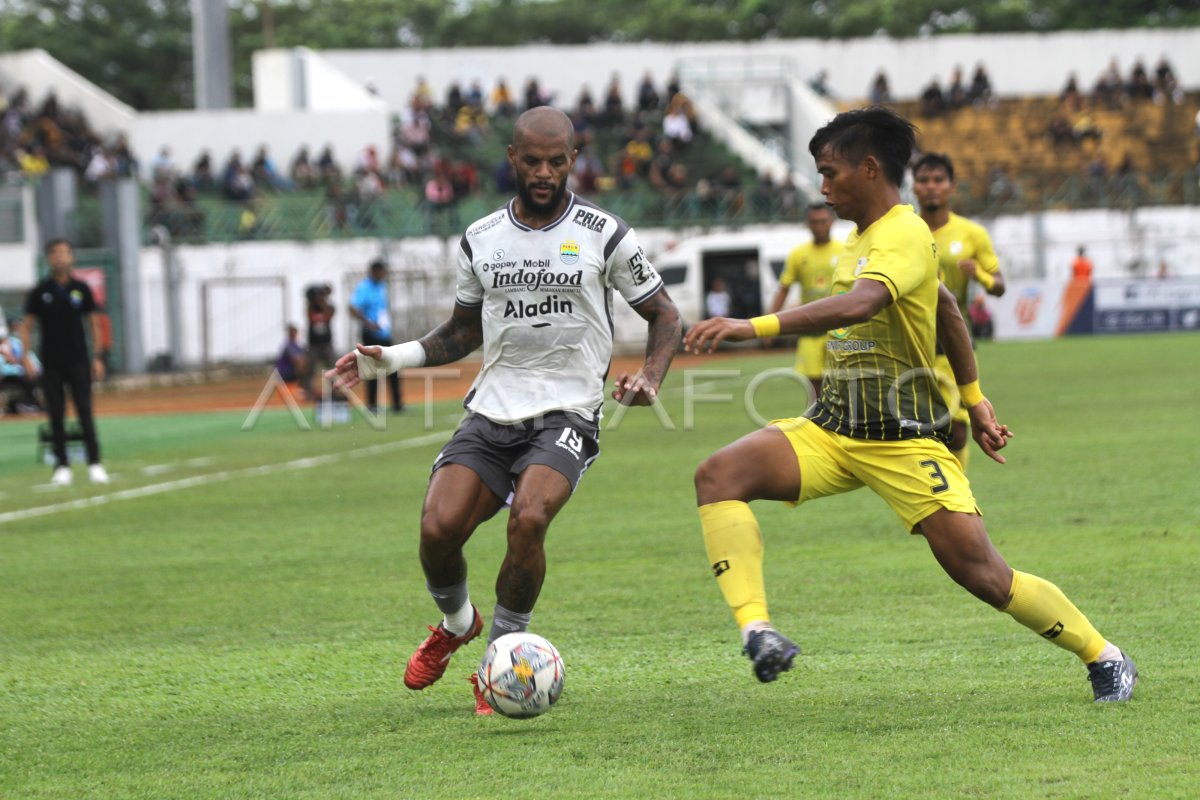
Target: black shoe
{"type": "Point", "coordinates": [1113, 681]}
{"type": "Point", "coordinates": [771, 652]}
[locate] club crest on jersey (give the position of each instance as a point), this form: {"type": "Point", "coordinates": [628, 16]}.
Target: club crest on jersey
{"type": "Point", "coordinates": [862, 262]}
{"type": "Point", "coordinates": [568, 252]}
{"type": "Point", "coordinates": [956, 248]}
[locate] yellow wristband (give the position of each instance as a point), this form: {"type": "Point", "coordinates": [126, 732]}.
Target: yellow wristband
{"type": "Point", "coordinates": [986, 279]}
{"type": "Point", "coordinates": [971, 394]}
{"type": "Point", "coordinates": [766, 326]}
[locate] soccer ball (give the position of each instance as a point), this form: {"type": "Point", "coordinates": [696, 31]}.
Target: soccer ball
{"type": "Point", "coordinates": [521, 675]}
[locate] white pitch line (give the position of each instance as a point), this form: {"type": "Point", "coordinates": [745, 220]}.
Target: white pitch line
{"type": "Point", "coordinates": [217, 477]}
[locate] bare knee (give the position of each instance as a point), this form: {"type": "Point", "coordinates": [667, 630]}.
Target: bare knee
{"type": "Point", "coordinates": [442, 532]}
{"type": "Point", "coordinates": [716, 480]}
{"type": "Point", "coordinates": [527, 527]}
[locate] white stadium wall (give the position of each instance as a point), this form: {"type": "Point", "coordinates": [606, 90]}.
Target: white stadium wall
{"type": "Point", "coordinates": [186, 133]}
{"type": "Point", "coordinates": [1019, 64]}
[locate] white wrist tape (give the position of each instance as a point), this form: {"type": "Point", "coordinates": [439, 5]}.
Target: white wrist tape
{"type": "Point", "coordinates": [393, 358]}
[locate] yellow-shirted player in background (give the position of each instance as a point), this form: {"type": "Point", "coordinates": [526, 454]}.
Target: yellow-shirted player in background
{"type": "Point", "coordinates": [965, 256]}
{"type": "Point", "coordinates": [810, 265]}
{"type": "Point", "coordinates": [881, 420]}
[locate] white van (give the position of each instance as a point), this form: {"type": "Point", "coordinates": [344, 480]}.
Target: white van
{"type": "Point", "coordinates": [749, 262]}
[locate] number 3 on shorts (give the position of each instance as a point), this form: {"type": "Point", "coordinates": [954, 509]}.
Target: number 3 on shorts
{"type": "Point", "coordinates": [936, 472]}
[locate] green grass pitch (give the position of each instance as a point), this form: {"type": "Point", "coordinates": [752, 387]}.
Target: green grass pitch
{"type": "Point", "coordinates": [244, 635]}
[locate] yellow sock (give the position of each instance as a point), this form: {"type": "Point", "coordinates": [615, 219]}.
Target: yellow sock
{"type": "Point", "coordinates": [1042, 607]}
{"type": "Point", "coordinates": [735, 550]}
{"type": "Point", "coordinates": [963, 456]}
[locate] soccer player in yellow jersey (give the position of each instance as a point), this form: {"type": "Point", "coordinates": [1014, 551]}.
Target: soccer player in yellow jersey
{"type": "Point", "coordinates": [881, 419]}
{"type": "Point", "coordinates": [965, 256]}
{"type": "Point", "coordinates": [811, 266]}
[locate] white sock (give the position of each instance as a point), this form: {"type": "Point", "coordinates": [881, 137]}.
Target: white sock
{"type": "Point", "coordinates": [460, 621]}
{"type": "Point", "coordinates": [1110, 653]}
{"type": "Point", "coordinates": [751, 627]}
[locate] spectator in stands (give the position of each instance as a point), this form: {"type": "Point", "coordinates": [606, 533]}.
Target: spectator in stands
{"type": "Point", "coordinates": [202, 172]}
{"type": "Point", "coordinates": [33, 162]}
{"type": "Point", "coordinates": [585, 176]}
{"type": "Point", "coordinates": [125, 164]}
{"type": "Point", "coordinates": [504, 176]}
{"type": "Point", "coordinates": [585, 110]}
{"type": "Point", "coordinates": [339, 205]}
{"type": "Point", "coordinates": [236, 181]}
{"type": "Point", "coordinates": [633, 160]}
{"type": "Point", "coordinates": [933, 102]}
{"type": "Point", "coordinates": [677, 121]}
{"type": "Point", "coordinates": [534, 96]}
{"type": "Point", "coordinates": [672, 88]}
{"type": "Point", "coordinates": [956, 94]}
{"type": "Point", "coordinates": [421, 101]}
{"type": "Point", "coordinates": [1070, 96]}
{"type": "Point", "coordinates": [648, 100]}
{"type": "Point", "coordinates": [470, 125]}
{"type": "Point", "coordinates": [100, 166]}
{"type": "Point", "coordinates": [416, 132]}
{"type": "Point", "coordinates": [501, 100]}
{"type": "Point", "coordinates": [454, 100]}
{"type": "Point", "coordinates": [304, 176]}
{"type": "Point", "coordinates": [1128, 183]}
{"type": "Point", "coordinates": [162, 164]}
{"type": "Point", "coordinates": [1059, 130]}
{"type": "Point", "coordinates": [1095, 176]}
{"type": "Point", "coordinates": [614, 106]}
{"type": "Point", "coordinates": [764, 198]}
{"type": "Point", "coordinates": [677, 190]}
{"type": "Point", "coordinates": [1109, 90]}
{"type": "Point", "coordinates": [441, 211]}
{"type": "Point", "coordinates": [1085, 127]}
{"type": "Point", "coordinates": [880, 93]}
{"type": "Point", "coordinates": [1166, 87]}
{"type": "Point", "coordinates": [819, 83]}
{"type": "Point", "coordinates": [980, 92]}
{"type": "Point", "coordinates": [660, 165]}
{"type": "Point", "coordinates": [265, 174]}
{"type": "Point", "coordinates": [327, 167]}
{"type": "Point", "coordinates": [473, 97]}
{"type": "Point", "coordinates": [789, 199]}
{"type": "Point", "coordinates": [729, 191]}
{"type": "Point", "coordinates": [368, 187]}
{"type": "Point", "coordinates": [1139, 87]}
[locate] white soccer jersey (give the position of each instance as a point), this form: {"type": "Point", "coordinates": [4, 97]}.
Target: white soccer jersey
{"type": "Point", "coordinates": [546, 298]}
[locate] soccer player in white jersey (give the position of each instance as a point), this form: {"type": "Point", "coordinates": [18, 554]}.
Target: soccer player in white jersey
{"type": "Point", "coordinates": [534, 287]}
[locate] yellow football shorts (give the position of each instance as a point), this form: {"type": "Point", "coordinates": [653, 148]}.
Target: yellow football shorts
{"type": "Point", "coordinates": [949, 387]}
{"type": "Point", "coordinates": [810, 356]}
{"type": "Point", "coordinates": [916, 477]}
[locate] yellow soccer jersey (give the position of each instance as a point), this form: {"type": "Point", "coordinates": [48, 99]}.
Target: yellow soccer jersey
{"type": "Point", "coordinates": [960, 239]}
{"type": "Point", "coordinates": [879, 380]}
{"type": "Point", "coordinates": [811, 266]}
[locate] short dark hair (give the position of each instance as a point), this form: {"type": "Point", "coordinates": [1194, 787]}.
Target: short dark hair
{"type": "Point", "coordinates": [935, 161]}
{"type": "Point", "coordinates": [378, 263]}
{"type": "Point", "coordinates": [875, 131]}
{"type": "Point", "coordinates": [55, 242]}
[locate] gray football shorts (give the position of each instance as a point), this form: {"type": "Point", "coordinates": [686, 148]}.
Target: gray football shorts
{"type": "Point", "coordinates": [565, 442]}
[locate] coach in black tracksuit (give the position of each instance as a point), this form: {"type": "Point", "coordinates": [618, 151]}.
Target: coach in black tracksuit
{"type": "Point", "coordinates": [59, 303]}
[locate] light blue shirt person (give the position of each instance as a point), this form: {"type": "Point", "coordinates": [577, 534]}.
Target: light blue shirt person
{"type": "Point", "coordinates": [370, 305]}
